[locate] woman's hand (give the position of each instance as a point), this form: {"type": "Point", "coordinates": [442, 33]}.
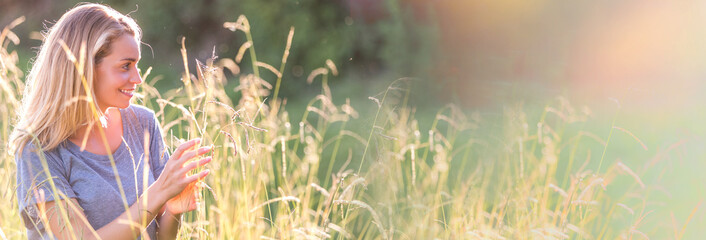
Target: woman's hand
{"type": "Point", "coordinates": [175, 185]}
{"type": "Point", "coordinates": [186, 201]}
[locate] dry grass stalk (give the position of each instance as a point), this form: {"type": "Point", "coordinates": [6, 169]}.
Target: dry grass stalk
{"type": "Point", "coordinates": [241, 51]}
{"type": "Point", "coordinates": [629, 171]}
{"type": "Point", "coordinates": [279, 199]}
{"type": "Point", "coordinates": [269, 67]}
{"type": "Point", "coordinates": [315, 73]}
{"type": "Point", "coordinates": [332, 67]}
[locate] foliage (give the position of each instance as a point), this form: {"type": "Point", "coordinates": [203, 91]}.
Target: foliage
{"type": "Point", "coordinates": [464, 176]}
{"type": "Point", "coordinates": [395, 42]}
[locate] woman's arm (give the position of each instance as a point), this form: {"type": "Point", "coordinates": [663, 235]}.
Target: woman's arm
{"type": "Point", "coordinates": [131, 223]}
{"type": "Point", "coordinates": [168, 225]}
{"type": "Point", "coordinates": [128, 225]}
{"type": "Point", "coordinates": [188, 200]}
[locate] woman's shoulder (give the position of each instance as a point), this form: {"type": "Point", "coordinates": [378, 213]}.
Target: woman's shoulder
{"type": "Point", "coordinates": [32, 151]}
{"type": "Point", "coordinates": [139, 118]}
{"type": "Point", "coordinates": [139, 113]}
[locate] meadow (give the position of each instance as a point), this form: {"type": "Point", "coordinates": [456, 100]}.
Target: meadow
{"type": "Point", "coordinates": [532, 172]}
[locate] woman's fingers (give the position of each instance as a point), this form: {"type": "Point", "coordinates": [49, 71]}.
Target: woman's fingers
{"type": "Point", "coordinates": [191, 154]}
{"type": "Point", "coordinates": [193, 205]}
{"type": "Point", "coordinates": [185, 146]}
{"type": "Point", "coordinates": [194, 164]}
{"type": "Point", "coordinates": [197, 176]}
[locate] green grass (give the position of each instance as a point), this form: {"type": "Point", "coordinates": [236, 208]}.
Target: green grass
{"type": "Point", "coordinates": [387, 170]}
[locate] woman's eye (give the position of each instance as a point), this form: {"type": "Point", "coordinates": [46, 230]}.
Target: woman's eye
{"type": "Point", "coordinates": [126, 66]}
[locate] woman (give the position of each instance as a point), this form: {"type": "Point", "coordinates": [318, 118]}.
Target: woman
{"type": "Point", "coordinates": [97, 174]}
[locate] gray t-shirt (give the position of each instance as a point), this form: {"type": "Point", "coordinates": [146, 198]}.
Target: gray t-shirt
{"type": "Point", "coordinates": [90, 177]}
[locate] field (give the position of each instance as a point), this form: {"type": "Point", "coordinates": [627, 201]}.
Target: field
{"type": "Point", "coordinates": [392, 172]}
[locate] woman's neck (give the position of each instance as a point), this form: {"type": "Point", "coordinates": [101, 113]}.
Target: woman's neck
{"type": "Point", "coordinates": [89, 137]}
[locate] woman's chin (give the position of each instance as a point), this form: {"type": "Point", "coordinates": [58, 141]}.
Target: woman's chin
{"type": "Point", "coordinates": [122, 105]}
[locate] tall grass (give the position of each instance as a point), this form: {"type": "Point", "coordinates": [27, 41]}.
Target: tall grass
{"type": "Point", "coordinates": [462, 177]}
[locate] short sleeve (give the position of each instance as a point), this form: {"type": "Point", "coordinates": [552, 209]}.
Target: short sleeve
{"type": "Point", "coordinates": [158, 152]}
{"type": "Point", "coordinates": [36, 173]}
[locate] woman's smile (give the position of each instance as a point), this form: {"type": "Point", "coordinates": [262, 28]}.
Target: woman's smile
{"type": "Point", "coordinates": [127, 92]}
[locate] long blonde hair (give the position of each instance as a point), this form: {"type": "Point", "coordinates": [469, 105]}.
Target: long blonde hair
{"type": "Point", "coordinates": [54, 105]}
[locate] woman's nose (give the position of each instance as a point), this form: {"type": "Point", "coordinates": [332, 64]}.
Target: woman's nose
{"type": "Point", "coordinates": [136, 78]}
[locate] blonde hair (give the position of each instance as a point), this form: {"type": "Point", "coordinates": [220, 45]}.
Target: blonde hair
{"type": "Point", "coordinates": [54, 105]}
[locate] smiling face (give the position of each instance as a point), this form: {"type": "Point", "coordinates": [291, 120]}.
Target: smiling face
{"type": "Point", "coordinates": [117, 75]}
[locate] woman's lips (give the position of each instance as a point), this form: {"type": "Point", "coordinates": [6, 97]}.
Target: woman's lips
{"type": "Point", "coordinates": [127, 92]}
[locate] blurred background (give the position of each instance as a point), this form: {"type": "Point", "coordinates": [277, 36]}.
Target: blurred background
{"type": "Point", "coordinates": [638, 64]}
{"type": "Point", "coordinates": [472, 53]}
